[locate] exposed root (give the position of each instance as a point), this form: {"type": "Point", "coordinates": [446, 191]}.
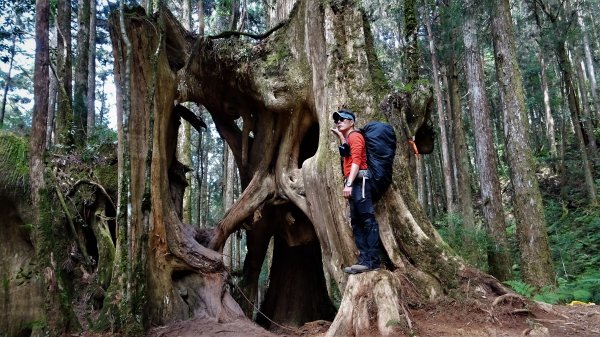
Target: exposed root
{"type": "Point", "coordinates": [506, 297]}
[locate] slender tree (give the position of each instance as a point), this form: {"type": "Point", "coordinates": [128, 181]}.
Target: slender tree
{"type": "Point", "coordinates": [39, 121]}
{"type": "Point", "coordinates": [64, 74]}
{"type": "Point", "coordinates": [80, 89]}
{"type": "Point", "coordinates": [559, 27]}
{"type": "Point", "coordinates": [40, 108]}
{"type": "Point", "coordinates": [461, 150]}
{"type": "Point", "coordinates": [550, 132]}
{"type": "Point", "coordinates": [91, 80]}
{"type": "Point", "coordinates": [442, 120]}
{"type": "Point", "coordinates": [589, 63]}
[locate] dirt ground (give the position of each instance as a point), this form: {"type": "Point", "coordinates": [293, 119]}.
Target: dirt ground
{"type": "Point", "coordinates": [454, 321]}
{"type": "Point", "coordinates": [441, 320]}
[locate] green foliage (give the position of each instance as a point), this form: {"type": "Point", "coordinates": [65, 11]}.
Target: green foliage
{"type": "Point", "coordinates": [585, 288]}
{"type": "Point", "coordinates": [14, 163]}
{"type": "Point", "coordinates": [469, 243]}
{"type": "Point", "coordinates": [521, 287]}
{"type": "Point", "coordinates": [574, 237]}
{"type": "Point", "coordinates": [103, 140]}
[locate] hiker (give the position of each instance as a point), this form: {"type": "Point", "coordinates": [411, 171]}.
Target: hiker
{"type": "Point", "coordinates": [357, 190]}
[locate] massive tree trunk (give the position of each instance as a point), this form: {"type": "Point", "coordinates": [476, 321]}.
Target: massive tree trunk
{"type": "Point", "coordinates": [284, 89]}
{"type": "Point", "coordinates": [498, 250]}
{"type": "Point", "coordinates": [536, 261]}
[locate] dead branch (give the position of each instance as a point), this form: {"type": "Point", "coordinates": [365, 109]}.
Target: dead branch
{"type": "Point", "coordinates": [80, 245]}
{"type": "Point", "coordinates": [230, 33]}
{"type": "Point", "coordinates": [189, 116]}
{"type": "Point", "coordinates": [89, 182]}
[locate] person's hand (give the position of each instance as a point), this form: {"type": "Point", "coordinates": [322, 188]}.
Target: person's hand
{"type": "Point", "coordinates": [336, 132]}
{"type": "Point", "coordinates": [347, 192]}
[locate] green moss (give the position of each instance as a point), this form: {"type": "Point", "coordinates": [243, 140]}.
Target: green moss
{"type": "Point", "coordinates": [379, 84]}
{"type": "Point", "coordinates": [335, 294]}
{"type": "Point", "coordinates": [14, 163]}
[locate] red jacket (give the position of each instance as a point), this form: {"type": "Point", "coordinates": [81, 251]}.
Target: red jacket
{"type": "Point", "coordinates": [358, 153]}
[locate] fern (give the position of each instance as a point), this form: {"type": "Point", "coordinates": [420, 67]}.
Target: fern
{"type": "Point", "coordinates": [521, 287]}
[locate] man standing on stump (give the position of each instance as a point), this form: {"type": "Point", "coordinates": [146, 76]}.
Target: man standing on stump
{"type": "Point", "coordinates": [358, 192]}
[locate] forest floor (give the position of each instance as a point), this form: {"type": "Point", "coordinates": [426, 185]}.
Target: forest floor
{"type": "Point", "coordinates": [468, 320]}
{"type": "Point", "coordinates": [440, 320]}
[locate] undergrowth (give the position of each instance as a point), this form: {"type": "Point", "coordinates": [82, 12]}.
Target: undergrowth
{"type": "Point", "coordinates": [573, 225]}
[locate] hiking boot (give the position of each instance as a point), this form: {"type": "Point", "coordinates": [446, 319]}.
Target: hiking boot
{"type": "Point", "coordinates": [360, 268]}
{"type": "Point", "coordinates": [357, 269]}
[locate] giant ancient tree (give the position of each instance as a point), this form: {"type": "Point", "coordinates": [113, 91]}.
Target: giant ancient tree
{"type": "Point", "coordinates": [283, 85]}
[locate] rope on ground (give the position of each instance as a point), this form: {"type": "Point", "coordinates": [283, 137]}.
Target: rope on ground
{"type": "Point", "coordinates": [260, 312]}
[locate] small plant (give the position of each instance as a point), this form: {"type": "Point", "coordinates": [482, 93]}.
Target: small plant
{"type": "Point", "coordinates": [521, 287]}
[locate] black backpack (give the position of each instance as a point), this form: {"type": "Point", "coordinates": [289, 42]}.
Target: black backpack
{"type": "Point", "coordinates": [380, 141]}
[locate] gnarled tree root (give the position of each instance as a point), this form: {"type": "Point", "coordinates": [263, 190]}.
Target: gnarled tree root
{"type": "Point", "coordinates": [371, 306]}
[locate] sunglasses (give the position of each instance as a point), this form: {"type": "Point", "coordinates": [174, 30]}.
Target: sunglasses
{"type": "Point", "coordinates": [340, 120]}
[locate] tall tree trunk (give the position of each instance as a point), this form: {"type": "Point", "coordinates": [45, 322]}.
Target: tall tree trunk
{"type": "Point", "coordinates": [588, 128]}
{"type": "Point", "coordinates": [461, 151]}
{"type": "Point", "coordinates": [589, 62]}
{"type": "Point", "coordinates": [52, 91]}
{"type": "Point", "coordinates": [498, 250]}
{"type": "Point", "coordinates": [91, 80]}
{"type": "Point", "coordinates": [8, 78]}
{"type": "Point", "coordinates": [574, 108]}
{"type": "Point", "coordinates": [550, 133]}
{"type": "Point", "coordinates": [228, 184]}
{"type": "Point", "coordinates": [36, 154]}
{"type": "Point", "coordinates": [234, 15]}
{"type": "Point", "coordinates": [64, 109]}
{"type": "Point", "coordinates": [420, 181]}
{"type": "Point", "coordinates": [185, 131]}
{"type": "Point", "coordinates": [80, 98]}
{"type": "Point", "coordinates": [201, 23]}
{"type": "Point", "coordinates": [442, 121]}
{"type": "Point", "coordinates": [200, 173]}
{"type": "Point", "coordinates": [536, 261]}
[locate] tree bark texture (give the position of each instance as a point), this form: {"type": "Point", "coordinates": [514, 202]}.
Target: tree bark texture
{"type": "Point", "coordinates": [589, 64]}
{"type": "Point", "coordinates": [80, 95]}
{"type": "Point", "coordinates": [442, 121]}
{"type": "Point", "coordinates": [64, 73]}
{"type": "Point", "coordinates": [91, 80]}
{"type": "Point", "coordinates": [498, 251]}
{"type": "Point", "coordinates": [575, 113]}
{"type": "Point", "coordinates": [284, 89]}
{"type": "Point", "coordinates": [461, 151]}
{"type": "Point", "coordinates": [550, 132]}
{"type": "Point", "coordinates": [536, 261]}
{"type": "Point", "coordinates": [8, 79]}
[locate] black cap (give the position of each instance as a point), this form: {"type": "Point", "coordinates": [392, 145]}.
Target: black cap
{"type": "Point", "coordinates": [343, 114]}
